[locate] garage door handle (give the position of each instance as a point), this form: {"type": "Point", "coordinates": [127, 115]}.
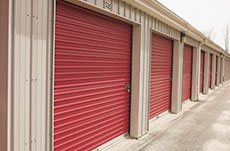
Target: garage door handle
{"type": "Point", "coordinates": [128, 87]}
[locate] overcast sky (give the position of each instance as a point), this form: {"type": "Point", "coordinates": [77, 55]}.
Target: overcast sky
{"type": "Point", "coordinates": [204, 15]}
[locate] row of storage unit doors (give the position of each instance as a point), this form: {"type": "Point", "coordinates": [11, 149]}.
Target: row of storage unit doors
{"type": "Point", "coordinates": [93, 77]}
{"type": "Point", "coordinates": [202, 62]}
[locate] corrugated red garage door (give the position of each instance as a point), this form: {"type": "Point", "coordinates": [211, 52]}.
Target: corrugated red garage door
{"type": "Point", "coordinates": [92, 67]}
{"type": "Point", "coordinates": [201, 71]}
{"type": "Point", "coordinates": [187, 73]}
{"type": "Point", "coordinates": [161, 73]}
{"type": "Point", "coordinates": [216, 69]}
{"type": "Point", "coordinates": [210, 71]}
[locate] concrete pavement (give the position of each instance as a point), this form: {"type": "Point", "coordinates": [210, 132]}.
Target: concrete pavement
{"type": "Point", "coordinates": [201, 126]}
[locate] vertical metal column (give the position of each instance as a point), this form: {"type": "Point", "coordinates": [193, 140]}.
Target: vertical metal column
{"type": "Point", "coordinates": [206, 72]}
{"type": "Point", "coordinates": [195, 74]}
{"type": "Point", "coordinates": [177, 77]}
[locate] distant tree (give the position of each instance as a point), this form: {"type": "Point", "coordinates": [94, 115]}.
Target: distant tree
{"type": "Point", "coordinates": [226, 33]}
{"type": "Point", "coordinates": [210, 34]}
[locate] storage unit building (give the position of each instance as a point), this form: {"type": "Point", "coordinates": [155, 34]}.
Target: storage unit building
{"type": "Point", "coordinates": [84, 74]}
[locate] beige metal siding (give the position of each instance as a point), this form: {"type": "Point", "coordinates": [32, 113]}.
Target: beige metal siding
{"type": "Point", "coordinates": [210, 50]}
{"type": "Point", "coordinates": [30, 76]}
{"type": "Point", "coordinates": [192, 42]}
{"type": "Point", "coordinates": [131, 13]}
{"type": "Point", "coordinates": [21, 84]}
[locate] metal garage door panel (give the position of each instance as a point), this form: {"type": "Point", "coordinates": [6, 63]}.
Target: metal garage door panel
{"type": "Point", "coordinates": [161, 73]}
{"type": "Point", "coordinates": [187, 73]}
{"type": "Point", "coordinates": [201, 71]}
{"type": "Point", "coordinates": [92, 67]}
{"type": "Point", "coordinates": [210, 71]}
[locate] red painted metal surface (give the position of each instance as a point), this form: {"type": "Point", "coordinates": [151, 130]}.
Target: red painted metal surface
{"type": "Point", "coordinates": [216, 70]}
{"type": "Point", "coordinates": [187, 73]}
{"type": "Point", "coordinates": [201, 71]}
{"type": "Point", "coordinates": [161, 74]}
{"type": "Point", "coordinates": [210, 71]}
{"type": "Point", "coordinates": [92, 67]}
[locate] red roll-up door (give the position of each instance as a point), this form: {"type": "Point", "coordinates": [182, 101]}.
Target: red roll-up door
{"type": "Point", "coordinates": [210, 71]}
{"type": "Point", "coordinates": [216, 69]}
{"type": "Point", "coordinates": [187, 73]}
{"type": "Point", "coordinates": [92, 67]}
{"type": "Point", "coordinates": [201, 71]}
{"type": "Point", "coordinates": [161, 73]}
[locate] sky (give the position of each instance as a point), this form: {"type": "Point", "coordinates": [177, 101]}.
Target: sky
{"type": "Point", "coordinates": [204, 15]}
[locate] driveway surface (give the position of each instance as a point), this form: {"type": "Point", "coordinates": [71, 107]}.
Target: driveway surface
{"type": "Point", "coordinates": [202, 126]}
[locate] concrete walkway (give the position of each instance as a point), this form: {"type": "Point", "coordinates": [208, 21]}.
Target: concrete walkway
{"type": "Point", "coordinates": [202, 126]}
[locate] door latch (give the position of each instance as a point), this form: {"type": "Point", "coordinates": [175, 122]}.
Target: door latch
{"type": "Point", "coordinates": [128, 87]}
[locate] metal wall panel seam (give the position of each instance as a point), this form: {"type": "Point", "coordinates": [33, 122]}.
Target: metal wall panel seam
{"type": "Point", "coordinates": [28, 78]}
{"type": "Point", "coordinates": [17, 88]}
{"type": "Point", "coordinates": [40, 54]}
{"type": "Point", "coordinates": [42, 79]}
{"type": "Point", "coordinates": [23, 102]}
{"type": "Point", "coordinates": [33, 118]}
